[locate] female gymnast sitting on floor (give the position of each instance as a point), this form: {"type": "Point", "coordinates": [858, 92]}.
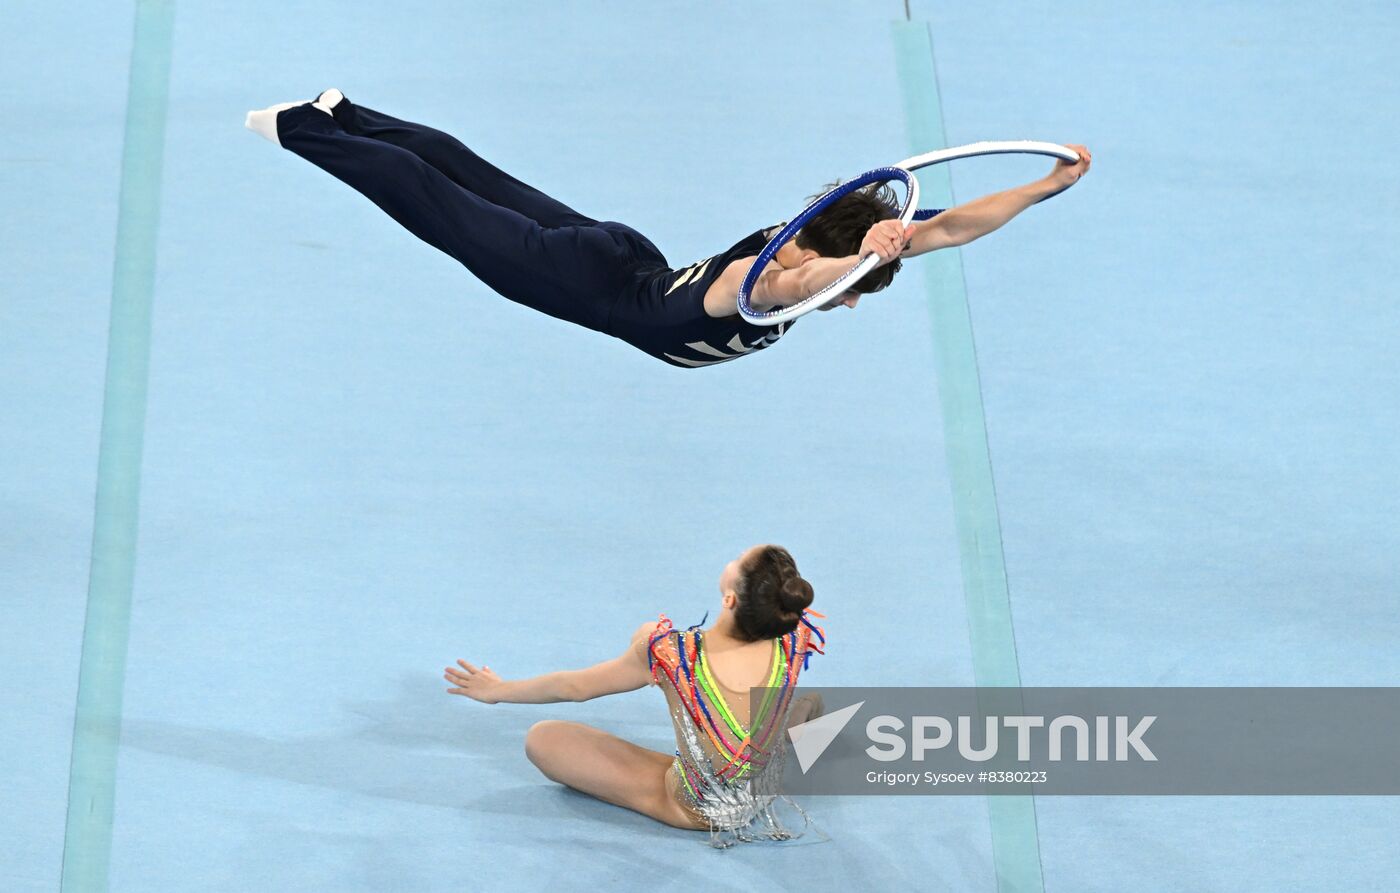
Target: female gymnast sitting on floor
{"type": "Point", "coordinates": [604, 275]}
{"type": "Point", "coordinates": [728, 763]}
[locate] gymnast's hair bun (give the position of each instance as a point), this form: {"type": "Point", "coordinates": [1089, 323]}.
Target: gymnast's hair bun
{"type": "Point", "coordinates": [772, 595]}
{"type": "Point", "coordinates": [796, 594]}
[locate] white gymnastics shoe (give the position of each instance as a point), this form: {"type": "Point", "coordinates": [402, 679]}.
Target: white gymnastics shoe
{"type": "Point", "coordinates": [328, 100]}
{"type": "Point", "coordinates": [263, 122]}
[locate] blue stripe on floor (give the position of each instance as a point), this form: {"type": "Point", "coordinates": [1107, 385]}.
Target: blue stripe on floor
{"type": "Point", "coordinates": [102, 669]}
{"type": "Point", "coordinates": [1015, 845]}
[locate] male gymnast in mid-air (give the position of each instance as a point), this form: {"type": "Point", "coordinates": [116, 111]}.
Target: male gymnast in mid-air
{"type": "Point", "coordinates": [604, 275]}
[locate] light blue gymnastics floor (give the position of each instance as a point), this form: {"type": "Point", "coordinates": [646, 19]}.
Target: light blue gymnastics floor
{"type": "Point", "coordinates": [360, 464]}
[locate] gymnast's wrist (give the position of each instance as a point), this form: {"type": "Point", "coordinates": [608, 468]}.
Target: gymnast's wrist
{"type": "Point", "coordinates": [1048, 187]}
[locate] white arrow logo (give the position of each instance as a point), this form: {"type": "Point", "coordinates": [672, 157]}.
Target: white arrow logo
{"type": "Point", "coordinates": [811, 739]}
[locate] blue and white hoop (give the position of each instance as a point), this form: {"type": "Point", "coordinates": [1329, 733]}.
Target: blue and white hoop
{"type": "Point", "coordinates": [903, 171]}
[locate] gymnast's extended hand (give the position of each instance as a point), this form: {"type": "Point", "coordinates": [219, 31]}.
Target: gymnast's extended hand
{"type": "Point", "coordinates": [626, 672]}
{"type": "Point", "coordinates": [478, 683]}
{"type": "Point", "coordinates": [963, 224]}
{"type": "Point", "coordinates": [1067, 173]}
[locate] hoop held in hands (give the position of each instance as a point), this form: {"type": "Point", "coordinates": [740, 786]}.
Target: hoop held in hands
{"type": "Point", "coordinates": [903, 171]}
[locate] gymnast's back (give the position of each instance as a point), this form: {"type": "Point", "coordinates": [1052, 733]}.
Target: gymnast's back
{"type": "Point", "coordinates": [730, 708]}
{"type": "Point", "coordinates": [664, 313]}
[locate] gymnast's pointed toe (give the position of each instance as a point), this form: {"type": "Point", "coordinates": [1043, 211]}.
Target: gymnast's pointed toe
{"type": "Point", "coordinates": [263, 122]}
{"type": "Point", "coordinates": [328, 100]}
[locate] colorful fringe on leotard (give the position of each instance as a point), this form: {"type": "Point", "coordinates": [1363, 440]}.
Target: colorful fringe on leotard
{"type": "Point", "coordinates": [724, 791]}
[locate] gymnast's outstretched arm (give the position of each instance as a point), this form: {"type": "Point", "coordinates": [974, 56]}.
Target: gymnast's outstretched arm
{"type": "Point", "coordinates": [626, 672]}
{"type": "Point", "coordinates": [963, 224]}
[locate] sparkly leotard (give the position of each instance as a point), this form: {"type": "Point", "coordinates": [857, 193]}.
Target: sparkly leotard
{"type": "Point", "coordinates": [728, 772]}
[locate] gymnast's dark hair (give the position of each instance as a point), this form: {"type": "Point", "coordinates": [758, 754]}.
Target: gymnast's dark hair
{"type": "Point", "coordinates": [772, 595]}
{"type": "Point", "coordinates": [838, 231]}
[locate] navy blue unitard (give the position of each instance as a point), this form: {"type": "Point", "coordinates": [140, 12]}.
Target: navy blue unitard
{"type": "Point", "coordinates": [525, 245]}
